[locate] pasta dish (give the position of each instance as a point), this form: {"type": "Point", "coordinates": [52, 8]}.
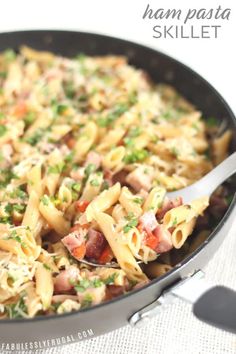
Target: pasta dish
{"type": "Point", "coordinates": [89, 147]}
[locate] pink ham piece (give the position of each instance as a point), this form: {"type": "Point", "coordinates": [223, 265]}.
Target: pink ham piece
{"type": "Point", "coordinates": [78, 174]}
{"type": "Point", "coordinates": [96, 294]}
{"type": "Point", "coordinates": [7, 152]}
{"type": "Point", "coordinates": [168, 205]}
{"type": "Point", "coordinates": [108, 177]}
{"type": "Point", "coordinates": [120, 177]}
{"type": "Point", "coordinates": [74, 239]}
{"type": "Point", "coordinates": [148, 221]}
{"type": "Point", "coordinates": [115, 290]}
{"type": "Point", "coordinates": [96, 244]}
{"type": "Point", "coordinates": [64, 280]}
{"type": "Point", "coordinates": [141, 284]}
{"type": "Point", "coordinates": [164, 238]}
{"type": "Point", "coordinates": [138, 179]}
{"type": "Point", "coordinates": [93, 158]}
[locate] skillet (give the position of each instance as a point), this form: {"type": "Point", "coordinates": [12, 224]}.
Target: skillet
{"type": "Point", "coordinates": [42, 332]}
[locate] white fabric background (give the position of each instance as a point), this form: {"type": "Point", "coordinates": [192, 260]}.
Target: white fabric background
{"type": "Point", "coordinates": [175, 331]}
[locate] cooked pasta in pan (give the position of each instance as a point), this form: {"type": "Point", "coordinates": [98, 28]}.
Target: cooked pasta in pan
{"type": "Point", "coordinates": [89, 147]}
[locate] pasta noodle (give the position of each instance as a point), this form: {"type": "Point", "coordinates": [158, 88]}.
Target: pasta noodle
{"type": "Point", "coordinates": [44, 285]}
{"type": "Point", "coordinates": [103, 202]}
{"type": "Point", "coordinates": [123, 255]}
{"type": "Point", "coordinates": [182, 231]}
{"type": "Point", "coordinates": [53, 216]}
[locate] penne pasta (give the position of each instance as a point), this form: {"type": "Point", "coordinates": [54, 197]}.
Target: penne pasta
{"type": "Point", "coordinates": [53, 216]}
{"type": "Point", "coordinates": [44, 285]}
{"type": "Point", "coordinates": [122, 253]}
{"type": "Point", "coordinates": [103, 202]}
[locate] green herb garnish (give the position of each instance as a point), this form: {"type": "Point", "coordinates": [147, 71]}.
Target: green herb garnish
{"type": "Point", "coordinates": [132, 222]}
{"type": "Point", "coordinates": [175, 221]}
{"type": "Point", "coordinates": [47, 267]}
{"type": "Point", "coordinates": [9, 55]}
{"type": "Point", "coordinates": [18, 310]}
{"type": "Point", "coordinates": [3, 130]}
{"type": "Point", "coordinates": [56, 169]}
{"type": "Point", "coordinates": [111, 279]}
{"type": "Point", "coordinates": [14, 236]}
{"type": "Point", "coordinates": [138, 200]}
{"type": "Point", "coordinates": [29, 118]}
{"type": "Point", "coordinates": [87, 301]}
{"type": "Point", "coordinates": [211, 122]}
{"type": "Point", "coordinates": [94, 183]}
{"type": "Point", "coordinates": [45, 200]}
{"type": "Point", "coordinates": [111, 117]}
{"type": "Point", "coordinates": [76, 187]}
{"type": "Point", "coordinates": [136, 156]}
{"type": "Point", "coordinates": [89, 169]}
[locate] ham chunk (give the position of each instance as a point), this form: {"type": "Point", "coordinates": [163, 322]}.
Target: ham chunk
{"type": "Point", "coordinates": [114, 291]}
{"type": "Point", "coordinates": [108, 177]}
{"type": "Point", "coordinates": [140, 179]}
{"type": "Point", "coordinates": [78, 174]}
{"type": "Point", "coordinates": [64, 280]}
{"type": "Point", "coordinates": [7, 152]}
{"type": "Point", "coordinates": [74, 239]}
{"type": "Point", "coordinates": [120, 177]}
{"type": "Point", "coordinates": [93, 158]}
{"type": "Point", "coordinates": [164, 239]}
{"type": "Point", "coordinates": [95, 244]}
{"type": "Point", "coordinates": [168, 205]}
{"type": "Point", "coordinates": [95, 294]}
{"type": "Point", "coordinates": [75, 243]}
{"type": "Point", "coordinates": [148, 221]}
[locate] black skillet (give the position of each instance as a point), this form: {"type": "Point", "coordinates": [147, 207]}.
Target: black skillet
{"type": "Point", "coordinates": [135, 307]}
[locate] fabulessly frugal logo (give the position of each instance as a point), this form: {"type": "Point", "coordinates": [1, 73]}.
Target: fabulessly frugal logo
{"type": "Point", "coordinates": [194, 23]}
{"type": "Point", "coordinates": [38, 346]}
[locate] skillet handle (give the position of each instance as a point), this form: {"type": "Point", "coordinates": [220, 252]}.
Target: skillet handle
{"type": "Point", "coordinates": [217, 307]}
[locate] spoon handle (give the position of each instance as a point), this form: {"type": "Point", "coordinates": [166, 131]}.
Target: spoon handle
{"type": "Point", "coordinates": [207, 184]}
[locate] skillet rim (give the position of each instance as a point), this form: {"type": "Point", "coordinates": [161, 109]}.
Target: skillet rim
{"type": "Point", "coordinates": [213, 234]}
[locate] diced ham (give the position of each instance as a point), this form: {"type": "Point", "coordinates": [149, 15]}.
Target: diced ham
{"type": "Point", "coordinates": [75, 243]}
{"type": "Point", "coordinates": [61, 298]}
{"type": "Point", "coordinates": [148, 221]}
{"type": "Point", "coordinates": [164, 239]}
{"type": "Point", "coordinates": [95, 244]}
{"type": "Point", "coordinates": [78, 174]}
{"type": "Point", "coordinates": [114, 291]}
{"type": "Point", "coordinates": [96, 294]}
{"type": "Point", "coordinates": [74, 239]}
{"type": "Point", "coordinates": [138, 179]}
{"type": "Point", "coordinates": [46, 147]}
{"type": "Point", "coordinates": [64, 150]}
{"type": "Point", "coordinates": [64, 280]}
{"type": "Point", "coordinates": [120, 177]}
{"type": "Point", "coordinates": [141, 284]}
{"type": "Point", "coordinates": [93, 158]}
{"type": "Point", "coordinates": [168, 205]}
{"type": "Point", "coordinates": [7, 152]}
{"type": "Point", "coordinates": [108, 177]}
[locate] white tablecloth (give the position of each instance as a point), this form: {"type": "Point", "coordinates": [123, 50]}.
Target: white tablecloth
{"type": "Point", "coordinates": [176, 330]}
